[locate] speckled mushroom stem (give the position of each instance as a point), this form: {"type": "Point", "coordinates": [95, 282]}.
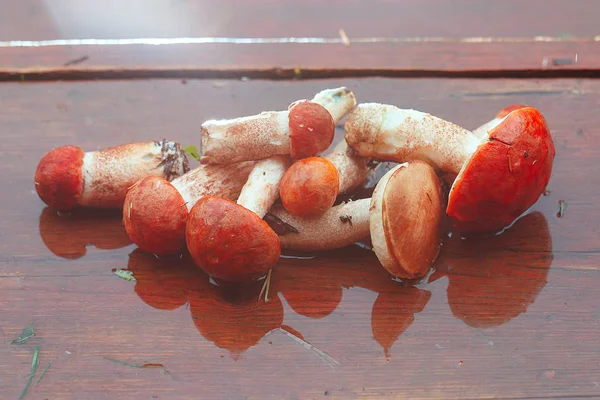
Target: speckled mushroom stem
{"type": "Point", "coordinates": [339, 227]}
{"type": "Point", "coordinates": [266, 134]}
{"type": "Point", "coordinates": [353, 170]}
{"type": "Point", "coordinates": [262, 187]}
{"type": "Point", "coordinates": [388, 133]}
{"type": "Point", "coordinates": [67, 176]}
{"type": "Point", "coordinates": [213, 180]}
{"type": "Point", "coordinates": [108, 173]}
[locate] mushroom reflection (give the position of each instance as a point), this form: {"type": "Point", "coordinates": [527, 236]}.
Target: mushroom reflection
{"type": "Point", "coordinates": [232, 317]}
{"type": "Point", "coordinates": [229, 316]}
{"type": "Point", "coordinates": [164, 283]}
{"type": "Point", "coordinates": [493, 279]}
{"type": "Point", "coordinates": [311, 287]}
{"type": "Point", "coordinates": [67, 235]}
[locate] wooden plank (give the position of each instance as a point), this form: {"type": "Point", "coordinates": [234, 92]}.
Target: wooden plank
{"type": "Point", "coordinates": [113, 19]}
{"type": "Point", "coordinates": [552, 57]}
{"type": "Point", "coordinates": [508, 316]}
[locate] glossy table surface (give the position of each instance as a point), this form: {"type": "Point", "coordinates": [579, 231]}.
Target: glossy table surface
{"type": "Point", "coordinates": [511, 316]}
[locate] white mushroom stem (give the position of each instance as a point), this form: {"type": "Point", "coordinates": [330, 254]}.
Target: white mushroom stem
{"type": "Point", "coordinates": [353, 170]}
{"type": "Point", "coordinates": [108, 173]}
{"type": "Point", "coordinates": [224, 181]}
{"type": "Point", "coordinates": [260, 136]}
{"type": "Point", "coordinates": [389, 133]}
{"type": "Point", "coordinates": [339, 227]}
{"type": "Point", "coordinates": [339, 102]}
{"type": "Point", "coordinates": [262, 187]}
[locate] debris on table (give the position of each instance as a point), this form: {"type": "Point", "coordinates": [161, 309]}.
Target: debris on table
{"type": "Point", "coordinates": [124, 274]}
{"type": "Point", "coordinates": [26, 334]}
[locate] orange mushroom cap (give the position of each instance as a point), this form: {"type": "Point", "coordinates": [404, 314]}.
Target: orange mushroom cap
{"type": "Point", "coordinates": [309, 187]}
{"type": "Point", "coordinates": [505, 176]}
{"type": "Point", "coordinates": [230, 242]}
{"type": "Point", "coordinates": [59, 179]}
{"type": "Point", "coordinates": [154, 215]}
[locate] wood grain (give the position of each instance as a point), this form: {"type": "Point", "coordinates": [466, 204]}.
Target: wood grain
{"type": "Point", "coordinates": [64, 19]}
{"type": "Point", "coordinates": [508, 316]}
{"type": "Point", "coordinates": [558, 58]}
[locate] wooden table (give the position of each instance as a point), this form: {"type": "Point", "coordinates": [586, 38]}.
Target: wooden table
{"type": "Point", "coordinates": [515, 315]}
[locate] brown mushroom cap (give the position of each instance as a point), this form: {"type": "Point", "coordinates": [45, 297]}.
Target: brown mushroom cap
{"type": "Point", "coordinates": [505, 176]}
{"type": "Point", "coordinates": [405, 219]}
{"type": "Point", "coordinates": [230, 242]}
{"type": "Point", "coordinates": [154, 215]}
{"type": "Point", "coordinates": [309, 187]}
{"type": "Point", "coordinates": [311, 129]}
{"type": "Point", "coordinates": [59, 179]}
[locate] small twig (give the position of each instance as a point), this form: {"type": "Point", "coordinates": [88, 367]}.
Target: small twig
{"type": "Point", "coordinates": [35, 361]}
{"type": "Point", "coordinates": [147, 365]}
{"type": "Point", "coordinates": [562, 205]}
{"type": "Point", "coordinates": [344, 37]}
{"type": "Point", "coordinates": [332, 363]}
{"type": "Point", "coordinates": [43, 373]}
{"type": "Point", "coordinates": [76, 61]}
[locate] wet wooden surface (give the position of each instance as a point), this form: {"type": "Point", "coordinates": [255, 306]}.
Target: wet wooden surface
{"type": "Point", "coordinates": [508, 316]}
{"type": "Point", "coordinates": [512, 316]}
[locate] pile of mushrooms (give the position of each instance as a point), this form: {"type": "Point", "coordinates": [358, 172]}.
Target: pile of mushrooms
{"type": "Point", "coordinates": [274, 181]}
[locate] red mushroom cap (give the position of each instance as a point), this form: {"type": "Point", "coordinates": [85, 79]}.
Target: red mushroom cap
{"type": "Point", "coordinates": [59, 179]}
{"type": "Point", "coordinates": [311, 129]}
{"type": "Point", "coordinates": [230, 242]}
{"type": "Point", "coordinates": [506, 174]}
{"type": "Point", "coordinates": [309, 187]}
{"type": "Point", "coordinates": [154, 215]}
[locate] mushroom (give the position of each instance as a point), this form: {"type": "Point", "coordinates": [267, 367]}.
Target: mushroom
{"type": "Point", "coordinates": [231, 241]}
{"type": "Point", "coordinates": [155, 211]}
{"type": "Point", "coordinates": [67, 177]}
{"type": "Point", "coordinates": [497, 178]}
{"type": "Point", "coordinates": [311, 185]}
{"type": "Point", "coordinates": [482, 131]}
{"type": "Point", "coordinates": [305, 129]}
{"type": "Point", "coordinates": [403, 218]}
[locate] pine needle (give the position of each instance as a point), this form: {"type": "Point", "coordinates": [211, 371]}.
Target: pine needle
{"type": "Point", "coordinates": [266, 286]}
{"type": "Point", "coordinates": [43, 373]}
{"type": "Point", "coordinates": [35, 361]}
